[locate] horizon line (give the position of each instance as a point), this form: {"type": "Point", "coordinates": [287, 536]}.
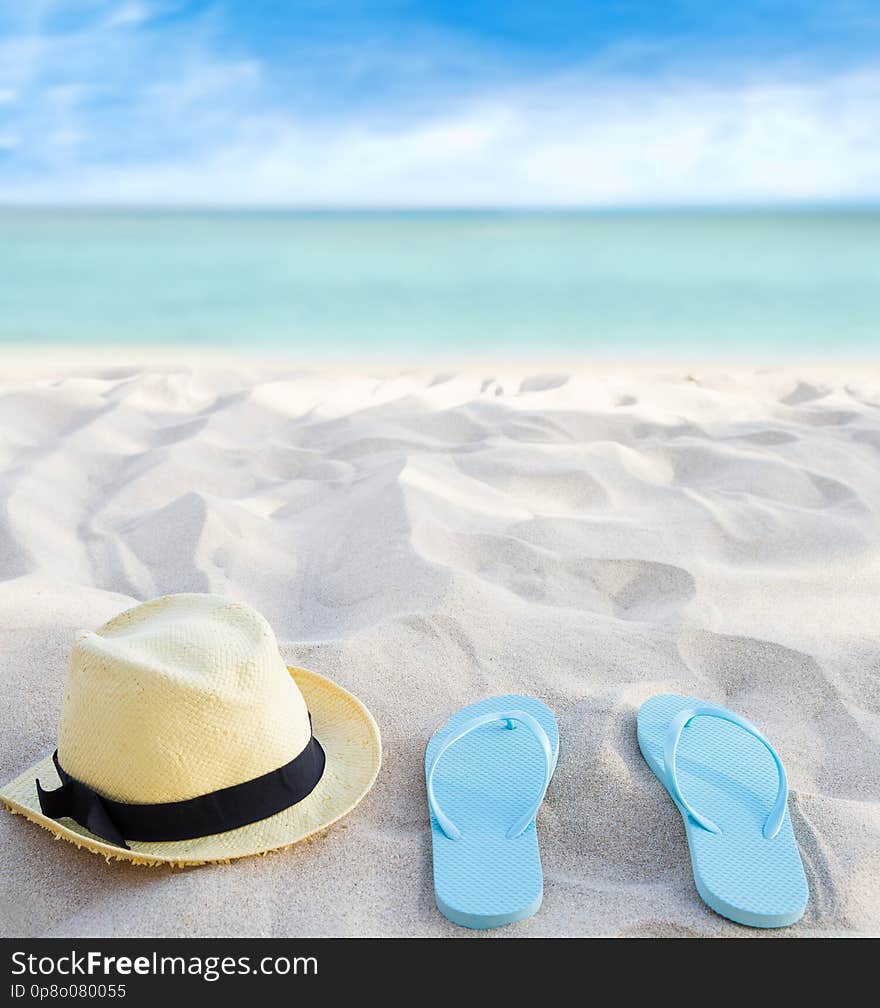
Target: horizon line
{"type": "Point", "coordinates": [872, 204]}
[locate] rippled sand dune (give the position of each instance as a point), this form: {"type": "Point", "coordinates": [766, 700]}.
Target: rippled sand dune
{"type": "Point", "coordinates": [589, 536]}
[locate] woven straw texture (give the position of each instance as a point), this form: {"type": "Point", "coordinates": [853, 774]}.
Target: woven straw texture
{"type": "Point", "coordinates": [350, 739]}
{"type": "Point", "coordinates": [178, 697]}
{"type": "Point", "coordinates": [186, 695]}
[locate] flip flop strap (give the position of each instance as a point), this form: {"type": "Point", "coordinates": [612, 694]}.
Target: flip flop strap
{"type": "Point", "coordinates": [773, 822]}
{"type": "Point", "coordinates": [510, 716]}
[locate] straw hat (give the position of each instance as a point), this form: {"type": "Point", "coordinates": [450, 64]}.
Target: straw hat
{"type": "Point", "coordinates": [184, 739]}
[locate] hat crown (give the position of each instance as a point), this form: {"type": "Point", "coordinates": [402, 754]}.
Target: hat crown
{"type": "Point", "coordinates": [179, 697]}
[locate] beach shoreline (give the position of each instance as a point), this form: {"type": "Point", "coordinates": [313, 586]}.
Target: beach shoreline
{"type": "Point", "coordinates": [590, 533]}
{"type": "Point", "coordinates": [59, 359]}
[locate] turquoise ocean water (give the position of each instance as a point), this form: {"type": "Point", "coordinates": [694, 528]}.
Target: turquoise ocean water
{"type": "Point", "coordinates": [769, 283]}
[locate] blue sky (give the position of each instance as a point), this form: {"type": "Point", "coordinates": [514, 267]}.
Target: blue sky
{"type": "Point", "coordinates": [264, 102]}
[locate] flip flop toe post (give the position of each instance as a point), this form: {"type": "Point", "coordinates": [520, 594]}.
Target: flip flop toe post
{"type": "Point", "coordinates": [487, 770]}
{"type": "Point", "coordinates": [731, 789]}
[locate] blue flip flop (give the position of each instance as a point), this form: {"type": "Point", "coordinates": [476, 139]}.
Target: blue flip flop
{"type": "Point", "coordinates": [730, 786]}
{"type": "Point", "coordinates": [486, 771]}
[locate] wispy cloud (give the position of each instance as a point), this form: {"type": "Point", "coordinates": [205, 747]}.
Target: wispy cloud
{"type": "Point", "coordinates": [132, 13]}
{"type": "Point", "coordinates": [114, 112]}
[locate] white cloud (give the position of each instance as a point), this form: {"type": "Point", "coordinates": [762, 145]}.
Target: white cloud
{"type": "Point", "coordinates": [129, 15]}
{"type": "Point", "coordinates": [556, 144]}
{"type": "Point", "coordinates": [188, 126]}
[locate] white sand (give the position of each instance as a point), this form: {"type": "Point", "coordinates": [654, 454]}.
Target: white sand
{"type": "Point", "coordinates": [428, 539]}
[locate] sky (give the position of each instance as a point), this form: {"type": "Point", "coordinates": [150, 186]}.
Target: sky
{"type": "Point", "coordinates": [482, 103]}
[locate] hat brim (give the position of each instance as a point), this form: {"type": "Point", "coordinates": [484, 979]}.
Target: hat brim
{"type": "Point", "coordinates": [349, 737]}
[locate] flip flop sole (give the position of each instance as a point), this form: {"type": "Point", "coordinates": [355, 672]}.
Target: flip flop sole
{"type": "Point", "coordinates": [730, 777]}
{"type": "Point", "coordinates": [484, 782]}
